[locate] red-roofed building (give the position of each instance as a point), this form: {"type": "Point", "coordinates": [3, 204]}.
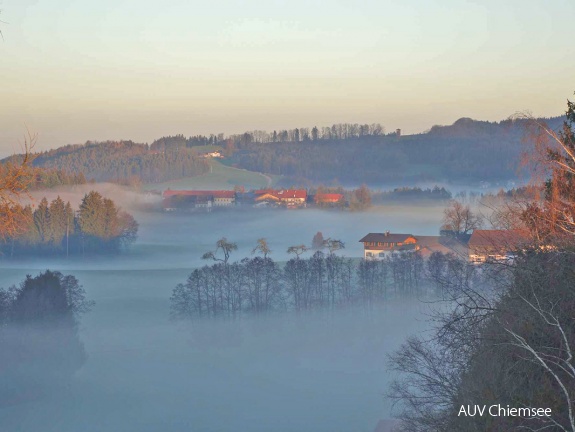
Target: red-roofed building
{"type": "Point", "coordinates": [264, 191]}
{"type": "Point", "coordinates": [377, 245]}
{"type": "Point", "coordinates": [291, 198]}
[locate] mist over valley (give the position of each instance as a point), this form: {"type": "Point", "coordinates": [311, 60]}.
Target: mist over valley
{"type": "Point", "coordinates": [321, 370]}
{"type": "Point", "coordinates": [287, 216]}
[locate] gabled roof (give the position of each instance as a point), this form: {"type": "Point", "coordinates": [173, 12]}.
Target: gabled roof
{"type": "Point", "coordinates": [267, 196]}
{"type": "Point", "coordinates": [283, 193]}
{"type": "Point", "coordinates": [292, 193]}
{"type": "Point", "coordinates": [264, 191]}
{"type": "Point", "coordinates": [386, 238]}
{"type": "Point", "coordinates": [429, 244]}
{"type": "Point", "coordinates": [498, 238]}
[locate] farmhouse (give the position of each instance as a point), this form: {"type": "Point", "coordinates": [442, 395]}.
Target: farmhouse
{"type": "Point", "coordinates": [377, 245]}
{"type": "Point", "coordinates": [483, 245]}
{"type": "Point", "coordinates": [495, 245]}
{"type": "Point", "coordinates": [290, 198]}
{"type": "Point", "coordinates": [190, 199]}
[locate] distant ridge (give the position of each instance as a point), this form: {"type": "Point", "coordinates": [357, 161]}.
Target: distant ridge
{"type": "Point", "coordinates": [466, 151]}
{"type": "Point", "coordinates": [122, 161]}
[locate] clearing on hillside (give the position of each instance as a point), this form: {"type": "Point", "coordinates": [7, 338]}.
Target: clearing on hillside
{"type": "Point", "coordinates": [220, 177]}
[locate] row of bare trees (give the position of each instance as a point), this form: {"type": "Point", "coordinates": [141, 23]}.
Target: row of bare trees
{"type": "Point", "coordinates": [340, 131]}
{"type": "Point", "coordinates": [324, 280]}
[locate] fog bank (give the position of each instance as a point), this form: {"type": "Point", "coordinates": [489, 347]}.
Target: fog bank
{"type": "Point", "coordinates": [285, 372]}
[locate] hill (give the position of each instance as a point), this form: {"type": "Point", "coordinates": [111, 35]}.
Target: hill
{"type": "Point", "coordinates": [467, 151]}
{"type": "Point", "coordinates": [122, 161]}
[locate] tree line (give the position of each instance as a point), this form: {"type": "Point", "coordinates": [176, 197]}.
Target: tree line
{"type": "Point", "coordinates": [339, 131]}
{"type": "Point", "coordinates": [468, 150]}
{"type": "Point", "coordinates": [412, 194]}
{"type": "Point", "coordinates": [40, 178]}
{"type": "Point", "coordinates": [324, 280]}
{"type": "Point", "coordinates": [56, 228]}
{"type": "Point", "coordinates": [174, 157]}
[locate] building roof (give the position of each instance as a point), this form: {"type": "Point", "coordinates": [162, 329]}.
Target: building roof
{"type": "Point", "coordinates": [328, 197]}
{"type": "Point", "coordinates": [264, 191]}
{"type": "Point", "coordinates": [429, 244]}
{"type": "Point", "coordinates": [266, 196]}
{"type": "Point", "coordinates": [386, 237]}
{"type": "Point", "coordinates": [283, 193]}
{"type": "Point", "coordinates": [498, 238]}
{"type": "Point", "coordinates": [292, 193]}
{"type": "Point", "coordinates": [215, 194]}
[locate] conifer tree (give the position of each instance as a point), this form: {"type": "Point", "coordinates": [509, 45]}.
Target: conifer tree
{"type": "Point", "coordinates": [110, 219]}
{"type": "Point", "coordinates": [42, 221]}
{"type": "Point", "coordinates": [91, 218]}
{"type": "Point", "coordinates": [57, 221]}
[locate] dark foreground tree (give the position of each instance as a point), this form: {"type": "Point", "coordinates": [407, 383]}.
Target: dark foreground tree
{"type": "Point", "coordinates": [508, 337]}
{"type": "Point", "coordinates": [509, 341]}
{"type": "Point", "coordinates": [39, 343]}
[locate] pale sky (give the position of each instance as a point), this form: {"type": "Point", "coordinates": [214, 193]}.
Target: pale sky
{"type": "Point", "coordinates": [78, 70]}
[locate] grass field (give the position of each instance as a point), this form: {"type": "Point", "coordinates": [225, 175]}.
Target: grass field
{"type": "Point", "coordinates": [220, 177]}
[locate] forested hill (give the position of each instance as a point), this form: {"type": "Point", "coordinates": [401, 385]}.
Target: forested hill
{"type": "Point", "coordinates": [468, 150]}
{"type": "Point", "coordinates": [122, 160]}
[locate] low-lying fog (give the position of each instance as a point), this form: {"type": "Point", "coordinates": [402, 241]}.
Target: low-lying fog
{"type": "Point", "coordinates": [312, 372]}
{"type": "Point", "coordinates": [176, 240]}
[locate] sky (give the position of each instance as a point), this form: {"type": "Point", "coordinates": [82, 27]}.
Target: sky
{"type": "Point", "coordinates": [78, 70]}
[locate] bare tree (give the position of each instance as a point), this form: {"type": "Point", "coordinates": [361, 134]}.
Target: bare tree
{"type": "Point", "coordinates": [431, 383]}
{"type": "Point", "coordinates": [559, 366]}
{"type": "Point", "coordinates": [459, 219]}
{"type": "Point", "coordinates": [333, 245]}
{"type": "Point", "coordinates": [223, 246]}
{"type": "Point", "coordinates": [15, 178]}
{"type": "Point", "coordinates": [262, 247]}
{"type": "Point", "coordinates": [552, 162]}
{"type": "Point", "coordinates": [297, 250]}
